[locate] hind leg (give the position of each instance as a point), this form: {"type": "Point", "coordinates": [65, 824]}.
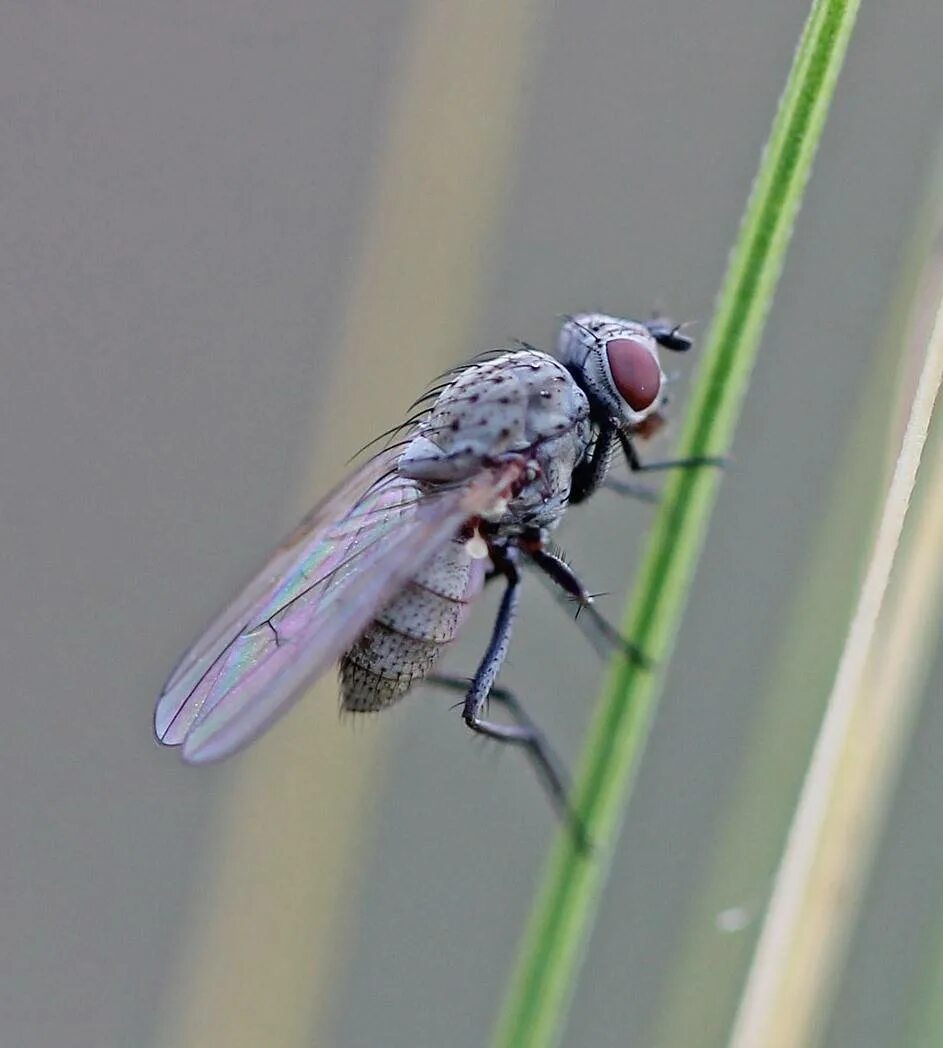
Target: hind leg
{"type": "Point", "coordinates": [524, 732]}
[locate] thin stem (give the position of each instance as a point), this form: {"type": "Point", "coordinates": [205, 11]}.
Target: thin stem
{"type": "Point", "coordinates": [563, 914]}
{"type": "Point", "coordinates": [831, 839]}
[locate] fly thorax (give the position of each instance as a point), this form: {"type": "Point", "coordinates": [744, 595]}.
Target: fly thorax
{"type": "Point", "coordinates": [522, 402]}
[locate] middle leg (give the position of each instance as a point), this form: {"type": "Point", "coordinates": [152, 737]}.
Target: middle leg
{"type": "Point", "coordinates": [563, 575]}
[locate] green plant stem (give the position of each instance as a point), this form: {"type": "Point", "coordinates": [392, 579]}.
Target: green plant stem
{"type": "Point", "coordinates": [562, 918]}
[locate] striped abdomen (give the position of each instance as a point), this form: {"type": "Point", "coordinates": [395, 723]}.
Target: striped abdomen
{"type": "Point", "coordinates": [402, 643]}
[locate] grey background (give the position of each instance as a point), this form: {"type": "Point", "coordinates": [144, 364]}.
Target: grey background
{"type": "Point", "coordinates": [182, 189]}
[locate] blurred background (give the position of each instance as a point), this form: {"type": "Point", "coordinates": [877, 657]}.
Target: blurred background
{"type": "Point", "coordinates": [237, 240]}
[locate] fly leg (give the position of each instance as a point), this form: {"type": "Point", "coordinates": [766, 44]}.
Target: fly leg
{"type": "Point", "coordinates": [592, 473]}
{"type": "Point", "coordinates": [637, 466]}
{"type": "Point", "coordinates": [546, 763]}
{"type": "Point", "coordinates": [563, 575]}
{"type": "Point", "coordinates": [631, 490]}
{"type": "Point", "coordinates": [524, 732]}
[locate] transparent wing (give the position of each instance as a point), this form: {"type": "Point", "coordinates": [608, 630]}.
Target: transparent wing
{"type": "Point", "coordinates": [312, 600]}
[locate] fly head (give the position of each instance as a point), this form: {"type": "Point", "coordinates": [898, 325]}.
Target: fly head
{"type": "Point", "coordinates": [615, 362]}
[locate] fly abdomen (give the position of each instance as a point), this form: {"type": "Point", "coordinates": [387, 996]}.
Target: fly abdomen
{"type": "Point", "coordinates": [382, 666]}
{"type": "Point", "coordinates": [403, 642]}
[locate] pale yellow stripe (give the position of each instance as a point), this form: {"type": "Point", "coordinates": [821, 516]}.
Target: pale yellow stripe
{"type": "Point", "coordinates": [272, 911]}
{"type": "Point", "coordinates": [832, 836]}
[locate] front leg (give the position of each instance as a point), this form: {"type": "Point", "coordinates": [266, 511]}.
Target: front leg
{"type": "Point", "coordinates": [631, 490]}
{"type": "Point", "coordinates": [590, 474]}
{"type": "Point", "coordinates": [637, 466]}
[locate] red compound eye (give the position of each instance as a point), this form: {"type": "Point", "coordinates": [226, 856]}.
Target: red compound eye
{"type": "Point", "coordinates": [635, 372]}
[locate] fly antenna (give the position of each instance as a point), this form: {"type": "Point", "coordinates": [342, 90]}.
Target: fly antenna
{"type": "Point", "coordinates": [670, 335]}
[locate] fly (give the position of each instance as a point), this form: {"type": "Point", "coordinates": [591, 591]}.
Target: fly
{"type": "Point", "coordinates": [381, 575]}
